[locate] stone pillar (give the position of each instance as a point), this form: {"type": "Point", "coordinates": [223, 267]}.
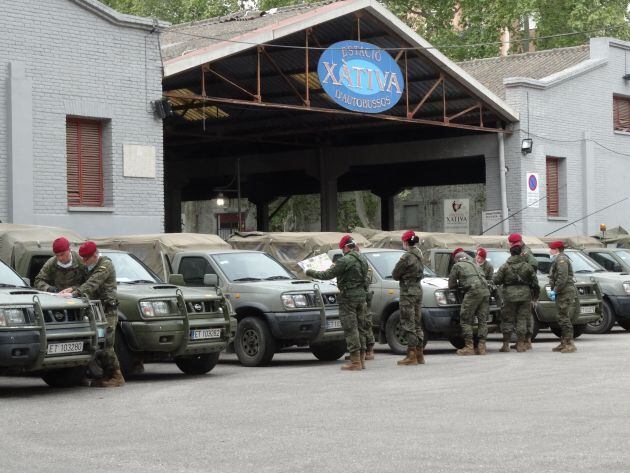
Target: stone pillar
{"type": "Point", "coordinates": [262, 216]}
{"type": "Point", "coordinates": [387, 212]}
{"type": "Point", "coordinates": [328, 193]}
{"type": "Point", "coordinates": [20, 145]}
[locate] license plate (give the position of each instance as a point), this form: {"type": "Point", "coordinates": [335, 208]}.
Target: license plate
{"type": "Point", "coordinates": [205, 333]}
{"type": "Point", "coordinates": [587, 309]}
{"type": "Point", "coordinates": [332, 324]}
{"type": "Point", "coordinates": [62, 348]}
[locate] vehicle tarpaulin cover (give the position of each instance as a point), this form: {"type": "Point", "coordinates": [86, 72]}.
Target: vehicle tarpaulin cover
{"type": "Point", "coordinates": [18, 241]}
{"type": "Point", "coordinates": [151, 248]}
{"type": "Point", "coordinates": [577, 241]}
{"type": "Point", "coordinates": [501, 241]}
{"type": "Point", "coordinates": [291, 247]}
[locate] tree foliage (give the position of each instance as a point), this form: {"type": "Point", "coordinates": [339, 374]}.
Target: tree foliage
{"type": "Point", "coordinates": [175, 11]}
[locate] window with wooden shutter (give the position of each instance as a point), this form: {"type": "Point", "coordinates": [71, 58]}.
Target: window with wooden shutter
{"type": "Point", "coordinates": [553, 194]}
{"type": "Point", "coordinates": [84, 146]}
{"type": "Point", "coordinates": [621, 113]}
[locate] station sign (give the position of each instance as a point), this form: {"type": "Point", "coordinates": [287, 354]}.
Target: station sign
{"type": "Point", "coordinates": [360, 77]}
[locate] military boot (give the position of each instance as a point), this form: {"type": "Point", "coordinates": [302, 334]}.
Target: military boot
{"type": "Point", "coordinates": [469, 349]}
{"type": "Point", "coordinates": [113, 380]}
{"type": "Point", "coordinates": [369, 353]}
{"type": "Point", "coordinates": [481, 348]}
{"type": "Point", "coordinates": [347, 357]}
{"type": "Point", "coordinates": [528, 343]}
{"type": "Point", "coordinates": [420, 355]}
{"type": "Point", "coordinates": [355, 362]}
{"type": "Point", "coordinates": [505, 348]}
{"type": "Point", "coordinates": [520, 346]}
{"type": "Point", "coordinates": [362, 355]}
{"type": "Point", "coordinates": [563, 343]}
{"type": "Point", "coordinates": [410, 359]}
{"type": "Point", "coordinates": [569, 347]}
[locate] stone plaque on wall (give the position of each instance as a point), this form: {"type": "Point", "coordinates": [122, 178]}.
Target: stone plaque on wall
{"type": "Point", "coordinates": [138, 161]}
{"type": "Point", "coordinates": [457, 216]}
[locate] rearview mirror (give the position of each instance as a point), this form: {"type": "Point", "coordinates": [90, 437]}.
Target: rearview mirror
{"type": "Point", "coordinates": [177, 279]}
{"type": "Point", "coordinates": [210, 280]}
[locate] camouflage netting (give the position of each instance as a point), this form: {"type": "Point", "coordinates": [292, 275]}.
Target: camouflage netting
{"type": "Point", "coordinates": [291, 247]}
{"type": "Point", "coordinates": [17, 241]}
{"type": "Point", "coordinates": [151, 248]}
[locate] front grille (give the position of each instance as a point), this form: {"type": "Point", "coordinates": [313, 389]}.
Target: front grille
{"type": "Point", "coordinates": [200, 307]}
{"type": "Point", "coordinates": [585, 291]}
{"type": "Point", "coordinates": [60, 316]}
{"type": "Point", "coordinates": [329, 299]}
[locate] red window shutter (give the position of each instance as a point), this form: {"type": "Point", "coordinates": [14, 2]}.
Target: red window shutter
{"type": "Point", "coordinates": [85, 163]}
{"type": "Point", "coordinates": [553, 197]}
{"type": "Point", "coordinates": [621, 113]}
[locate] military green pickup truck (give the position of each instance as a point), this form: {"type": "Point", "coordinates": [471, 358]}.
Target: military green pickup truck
{"type": "Point", "coordinates": [45, 334]}
{"type": "Point", "coordinates": [156, 321]}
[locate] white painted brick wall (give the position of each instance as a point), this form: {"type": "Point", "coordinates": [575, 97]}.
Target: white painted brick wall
{"type": "Point", "coordinates": [81, 62]}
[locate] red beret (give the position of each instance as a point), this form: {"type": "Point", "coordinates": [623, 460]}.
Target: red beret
{"type": "Point", "coordinates": [515, 237]}
{"type": "Point", "coordinates": [408, 235]}
{"type": "Point", "coordinates": [457, 250]}
{"type": "Point", "coordinates": [482, 252]}
{"type": "Point", "coordinates": [345, 240]}
{"type": "Point", "coordinates": [556, 245]}
{"type": "Point", "coordinates": [60, 245]}
{"type": "Point", "coordinates": [87, 249]}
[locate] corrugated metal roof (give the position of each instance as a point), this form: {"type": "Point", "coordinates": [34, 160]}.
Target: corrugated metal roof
{"type": "Point", "coordinates": [536, 65]}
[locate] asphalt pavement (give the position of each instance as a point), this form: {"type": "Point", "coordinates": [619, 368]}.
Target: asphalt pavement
{"type": "Point", "coordinates": [506, 412]}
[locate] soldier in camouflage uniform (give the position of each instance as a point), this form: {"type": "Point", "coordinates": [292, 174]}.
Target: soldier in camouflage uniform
{"type": "Point", "coordinates": [369, 329]}
{"type": "Point", "coordinates": [351, 272]}
{"type": "Point", "coordinates": [564, 292]}
{"type": "Point", "coordinates": [488, 271]}
{"type": "Point", "coordinates": [520, 284]}
{"type": "Point", "coordinates": [62, 271]}
{"type": "Point", "coordinates": [517, 239]}
{"type": "Point", "coordinates": [408, 272]}
{"type": "Point", "coordinates": [101, 284]}
{"type": "Point", "coordinates": [467, 277]}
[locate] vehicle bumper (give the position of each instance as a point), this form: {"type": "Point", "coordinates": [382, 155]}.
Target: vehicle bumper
{"type": "Point", "coordinates": [304, 325]}
{"type": "Point", "coordinates": [445, 320]}
{"type": "Point", "coordinates": [19, 349]}
{"type": "Point", "coordinates": [621, 306]}
{"type": "Point", "coordinates": [547, 312]}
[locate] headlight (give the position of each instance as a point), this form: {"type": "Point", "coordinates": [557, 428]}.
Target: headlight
{"type": "Point", "coordinates": [626, 287]}
{"type": "Point", "coordinates": [11, 317]}
{"type": "Point", "coordinates": [294, 301]}
{"type": "Point", "coordinates": [445, 297]}
{"type": "Point", "coordinates": [155, 308]}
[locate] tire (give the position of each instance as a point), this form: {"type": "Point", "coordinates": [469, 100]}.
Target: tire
{"type": "Point", "coordinates": [126, 358]}
{"type": "Point", "coordinates": [393, 334]}
{"type": "Point", "coordinates": [64, 377]}
{"type": "Point", "coordinates": [330, 351]}
{"type": "Point", "coordinates": [605, 323]}
{"type": "Point", "coordinates": [254, 344]}
{"type": "Point", "coordinates": [197, 364]}
{"type": "Point", "coordinates": [457, 341]}
{"type": "Point", "coordinates": [624, 323]}
{"type": "Point", "coordinates": [535, 327]}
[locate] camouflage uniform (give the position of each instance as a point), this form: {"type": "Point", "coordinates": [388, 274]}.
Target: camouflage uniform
{"type": "Point", "coordinates": [351, 272]}
{"type": "Point", "coordinates": [101, 284]}
{"type": "Point", "coordinates": [519, 283]}
{"type": "Point", "coordinates": [466, 274]}
{"type": "Point", "coordinates": [531, 259]}
{"type": "Point", "coordinates": [488, 271]}
{"type": "Point", "coordinates": [561, 281]}
{"type": "Point", "coordinates": [408, 272]}
{"type": "Point", "coordinates": [54, 278]}
{"type": "Point", "coordinates": [369, 329]}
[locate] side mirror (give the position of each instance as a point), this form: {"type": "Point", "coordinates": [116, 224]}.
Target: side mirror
{"type": "Point", "coordinates": [210, 280]}
{"type": "Point", "coordinates": [27, 281]}
{"type": "Point", "coordinates": [177, 279]}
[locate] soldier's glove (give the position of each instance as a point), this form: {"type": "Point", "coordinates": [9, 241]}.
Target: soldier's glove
{"type": "Point", "coordinates": [552, 295]}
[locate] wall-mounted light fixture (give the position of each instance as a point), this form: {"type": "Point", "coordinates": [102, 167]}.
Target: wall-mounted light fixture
{"type": "Point", "coordinates": [527, 145]}
{"type": "Point", "coordinates": [220, 200]}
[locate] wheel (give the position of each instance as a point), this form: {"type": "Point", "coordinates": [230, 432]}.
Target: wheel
{"type": "Point", "coordinates": [457, 341]}
{"type": "Point", "coordinates": [126, 358]}
{"type": "Point", "coordinates": [605, 323]}
{"type": "Point", "coordinates": [394, 334]}
{"type": "Point", "coordinates": [330, 351]}
{"type": "Point", "coordinates": [254, 344]}
{"type": "Point", "coordinates": [625, 323]}
{"type": "Point", "coordinates": [64, 377]}
{"type": "Point", "coordinates": [197, 364]}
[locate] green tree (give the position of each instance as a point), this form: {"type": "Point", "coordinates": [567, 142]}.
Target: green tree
{"type": "Point", "coordinates": [175, 11]}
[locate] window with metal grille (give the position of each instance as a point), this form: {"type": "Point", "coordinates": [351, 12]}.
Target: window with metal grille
{"type": "Point", "coordinates": [621, 113]}
{"type": "Point", "coordinates": [553, 194]}
{"type": "Point", "coordinates": [84, 147]}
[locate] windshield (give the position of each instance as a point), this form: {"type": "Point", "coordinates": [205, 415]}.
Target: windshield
{"type": "Point", "coordinates": [129, 269]}
{"type": "Point", "coordinates": [582, 263]}
{"type": "Point", "coordinates": [497, 258]}
{"type": "Point", "coordinates": [251, 267]}
{"type": "Point", "coordinates": [8, 278]}
{"type": "Point", "coordinates": [624, 255]}
{"type": "Point", "coordinates": [384, 263]}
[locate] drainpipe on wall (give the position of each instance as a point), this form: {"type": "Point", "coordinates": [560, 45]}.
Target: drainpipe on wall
{"type": "Point", "coordinates": [504, 206]}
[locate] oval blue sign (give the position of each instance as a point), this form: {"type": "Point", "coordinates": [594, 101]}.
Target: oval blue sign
{"type": "Point", "coordinates": [360, 77]}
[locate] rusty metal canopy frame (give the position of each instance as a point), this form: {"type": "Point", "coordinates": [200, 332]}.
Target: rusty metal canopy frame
{"type": "Point", "coordinates": [268, 92]}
